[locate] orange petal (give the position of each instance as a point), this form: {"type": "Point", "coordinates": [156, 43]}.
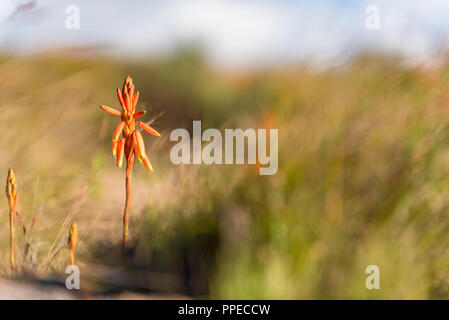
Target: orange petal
{"type": "Point", "coordinates": [127, 102]}
{"type": "Point", "coordinates": [114, 148]}
{"type": "Point", "coordinates": [148, 129]}
{"type": "Point", "coordinates": [111, 110]}
{"type": "Point", "coordinates": [121, 152]}
{"type": "Point", "coordinates": [131, 91]}
{"type": "Point", "coordinates": [118, 130]}
{"type": "Point", "coordinates": [120, 98]}
{"type": "Point", "coordinates": [139, 114]}
{"type": "Point", "coordinates": [147, 164]}
{"type": "Point", "coordinates": [135, 99]}
{"type": "Point", "coordinates": [139, 145]}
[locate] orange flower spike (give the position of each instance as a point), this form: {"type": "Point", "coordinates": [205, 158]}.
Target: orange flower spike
{"type": "Point", "coordinates": [131, 144]}
{"type": "Point", "coordinates": [110, 110]}
{"type": "Point", "coordinates": [148, 129]}
{"type": "Point", "coordinates": [139, 114]}
{"type": "Point", "coordinates": [120, 152]}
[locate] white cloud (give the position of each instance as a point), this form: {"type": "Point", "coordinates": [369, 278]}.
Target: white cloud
{"type": "Point", "coordinates": [7, 7]}
{"type": "Point", "coordinates": [235, 32]}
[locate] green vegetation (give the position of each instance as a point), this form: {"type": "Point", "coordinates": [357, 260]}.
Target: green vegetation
{"type": "Point", "coordinates": [363, 177]}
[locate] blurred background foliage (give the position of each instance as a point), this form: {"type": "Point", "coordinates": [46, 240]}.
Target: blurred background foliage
{"type": "Point", "coordinates": [363, 177]}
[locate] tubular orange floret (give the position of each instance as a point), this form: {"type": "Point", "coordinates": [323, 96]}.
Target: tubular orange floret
{"type": "Point", "coordinates": [125, 87]}
{"type": "Point", "coordinates": [147, 164]}
{"type": "Point", "coordinates": [135, 99]}
{"type": "Point", "coordinates": [127, 102]}
{"type": "Point", "coordinates": [120, 98]}
{"type": "Point", "coordinates": [131, 92]}
{"type": "Point", "coordinates": [118, 130]}
{"type": "Point", "coordinates": [139, 145]}
{"type": "Point", "coordinates": [111, 110]}
{"type": "Point", "coordinates": [11, 187]}
{"type": "Point", "coordinates": [148, 129]}
{"type": "Point", "coordinates": [120, 152]}
{"type": "Point", "coordinates": [136, 146]}
{"type": "Point", "coordinates": [114, 148]}
{"type": "Point", "coordinates": [139, 114]}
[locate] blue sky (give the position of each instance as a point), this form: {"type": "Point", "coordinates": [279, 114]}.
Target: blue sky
{"type": "Point", "coordinates": [232, 32]}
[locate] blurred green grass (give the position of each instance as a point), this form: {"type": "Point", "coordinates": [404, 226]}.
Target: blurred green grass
{"type": "Point", "coordinates": [362, 179]}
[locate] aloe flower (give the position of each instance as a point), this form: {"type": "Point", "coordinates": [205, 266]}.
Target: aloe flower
{"type": "Point", "coordinates": [127, 141]}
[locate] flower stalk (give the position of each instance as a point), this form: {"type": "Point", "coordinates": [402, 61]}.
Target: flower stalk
{"type": "Point", "coordinates": [11, 194]}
